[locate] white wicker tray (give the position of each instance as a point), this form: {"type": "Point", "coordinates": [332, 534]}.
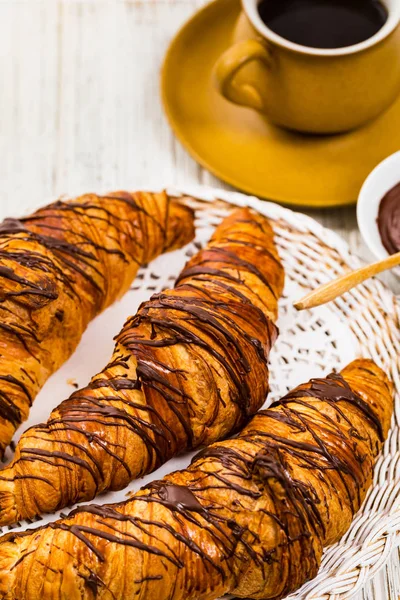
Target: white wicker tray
{"type": "Point", "coordinates": [363, 323]}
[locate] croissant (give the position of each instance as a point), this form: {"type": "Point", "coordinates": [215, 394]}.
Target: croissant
{"type": "Point", "coordinates": [190, 368]}
{"type": "Point", "coordinates": [249, 517]}
{"type": "Point", "coordinates": [62, 266]}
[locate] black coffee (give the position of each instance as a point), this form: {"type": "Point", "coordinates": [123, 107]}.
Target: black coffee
{"type": "Point", "coordinates": [324, 23]}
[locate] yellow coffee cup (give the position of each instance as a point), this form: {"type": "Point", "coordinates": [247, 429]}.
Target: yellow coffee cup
{"type": "Point", "coordinates": [308, 89]}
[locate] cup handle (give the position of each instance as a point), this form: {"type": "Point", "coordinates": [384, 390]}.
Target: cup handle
{"type": "Point", "coordinates": [230, 63]}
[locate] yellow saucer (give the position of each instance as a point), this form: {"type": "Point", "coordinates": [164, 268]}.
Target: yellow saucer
{"type": "Point", "coordinates": [240, 147]}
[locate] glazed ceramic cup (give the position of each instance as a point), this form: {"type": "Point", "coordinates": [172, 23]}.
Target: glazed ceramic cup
{"type": "Point", "coordinates": [309, 89]}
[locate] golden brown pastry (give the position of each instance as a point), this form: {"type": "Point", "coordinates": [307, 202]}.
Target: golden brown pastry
{"type": "Point", "coordinates": [190, 368]}
{"type": "Point", "coordinates": [59, 268]}
{"type": "Point", "coordinates": [249, 517]}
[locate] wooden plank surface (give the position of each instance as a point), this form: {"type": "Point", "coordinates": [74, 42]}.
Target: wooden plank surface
{"type": "Point", "coordinates": [80, 111]}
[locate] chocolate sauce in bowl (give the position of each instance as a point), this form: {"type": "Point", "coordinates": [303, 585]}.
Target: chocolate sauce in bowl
{"type": "Point", "coordinates": [389, 220]}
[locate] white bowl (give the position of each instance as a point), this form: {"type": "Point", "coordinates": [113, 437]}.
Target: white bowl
{"type": "Point", "coordinates": [382, 179]}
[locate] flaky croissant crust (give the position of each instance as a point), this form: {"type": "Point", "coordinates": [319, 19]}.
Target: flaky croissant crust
{"type": "Point", "coordinates": [59, 268]}
{"type": "Point", "coordinates": [188, 369]}
{"type": "Point", "coordinates": [250, 516]}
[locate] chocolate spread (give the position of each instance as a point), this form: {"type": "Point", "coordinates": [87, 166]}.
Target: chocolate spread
{"type": "Point", "coordinates": [389, 220]}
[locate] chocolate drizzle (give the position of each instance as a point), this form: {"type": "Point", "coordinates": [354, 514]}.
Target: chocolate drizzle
{"type": "Point", "coordinates": [197, 354]}
{"type": "Point", "coordinates": [53, 261]}
{"type": "Point", "coordinates": [178, 497]}
{"type": "Point", "coordinates": [259, 503]}
{"type": "Point", "coordinates": [272, 457]}
{"type": "Point", "coordinates": [93, 582]}
{"type": "Point", "coordinates": [335, 389]}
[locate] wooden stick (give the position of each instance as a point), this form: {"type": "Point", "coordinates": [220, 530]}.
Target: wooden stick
{"type": "Point", "coordinates": [333, 289]}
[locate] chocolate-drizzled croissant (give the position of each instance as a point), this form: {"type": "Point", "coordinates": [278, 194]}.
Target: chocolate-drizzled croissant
{"type": "Point", "coordinates": [188, 369]}
{"type": "Point", "coordinates": [59, 268]}
{"type": "Point", "coordinates": [249, 517]}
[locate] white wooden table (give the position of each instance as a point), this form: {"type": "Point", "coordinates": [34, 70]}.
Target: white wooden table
{"type": "Point", "coordinates": [80, 111]}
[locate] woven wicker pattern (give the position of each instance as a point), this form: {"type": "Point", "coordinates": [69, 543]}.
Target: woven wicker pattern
{"type": "Point", "coordinates": [363, 323]}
